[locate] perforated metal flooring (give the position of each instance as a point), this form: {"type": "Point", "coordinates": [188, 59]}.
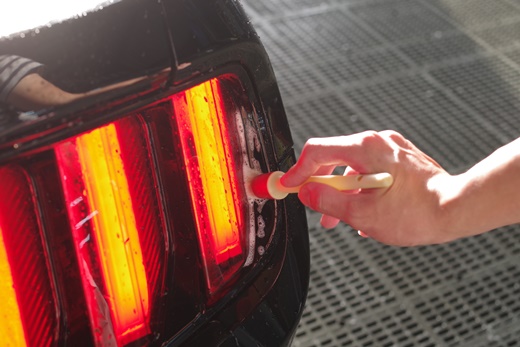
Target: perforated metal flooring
{"type": "Point", "coordinates": [447, 75]}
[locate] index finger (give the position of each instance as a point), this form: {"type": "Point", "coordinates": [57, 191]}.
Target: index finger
{"type": "Point", "coordinates": [356, 151]}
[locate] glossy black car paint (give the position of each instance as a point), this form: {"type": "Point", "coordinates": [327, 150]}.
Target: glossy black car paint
{"type": "Point", "coordinates": [196, 39]}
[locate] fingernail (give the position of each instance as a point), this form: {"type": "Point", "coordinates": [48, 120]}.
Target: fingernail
{"type": "Point", "coordinates": [328, 222]}
{"type": "Point", "coordinates": [362, 234]}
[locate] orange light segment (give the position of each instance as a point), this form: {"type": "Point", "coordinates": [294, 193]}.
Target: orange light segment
{"type": "Point", "coordinates": [115, 231]}
{"type": "Point", "coordinates": [205, 138]}
{"type": "Point", "coordinates": [11, 329]}
{"type": "Point", "coordinates": [215, 173]}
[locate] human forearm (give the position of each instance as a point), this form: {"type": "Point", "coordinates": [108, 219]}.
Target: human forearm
{"type": "Point", "coordinates": [485, 197]}
{"type": "Point", "coordinates": [34, 92]}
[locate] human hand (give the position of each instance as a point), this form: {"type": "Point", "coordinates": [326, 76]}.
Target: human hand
{"type": "Point", "coordinates": [408, 213]}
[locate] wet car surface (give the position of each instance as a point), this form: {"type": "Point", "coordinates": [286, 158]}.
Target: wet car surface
{"type": "Point", "coordinates": [128, 205]}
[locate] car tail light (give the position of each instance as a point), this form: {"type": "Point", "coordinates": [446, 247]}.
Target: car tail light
{"type": "Point", "coordinates": [107, 192]}
{"type": "Point", "coordinates": [29, 315]}
{"type": "Point", "coordinates": [216, 198]}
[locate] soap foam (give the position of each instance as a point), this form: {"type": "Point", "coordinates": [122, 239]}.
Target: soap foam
{"type": "Point", "coordinates": [250, 169]}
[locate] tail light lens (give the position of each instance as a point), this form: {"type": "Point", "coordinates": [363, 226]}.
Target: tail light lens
{"type": "Point", "coordinates": [215, 188]}
{"type": "Point", "coordinates": [111, 200]}
{"type": "Point", "coordinates": [118, 218]}
{"type": "Point", "coordinates": [29, 315]}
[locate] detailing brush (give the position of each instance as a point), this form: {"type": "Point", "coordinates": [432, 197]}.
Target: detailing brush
{"type": "Point", "coordinates": [268, 186]}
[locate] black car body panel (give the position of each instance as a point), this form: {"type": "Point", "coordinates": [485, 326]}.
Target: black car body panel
{"type": "Point", "coordinates": [96, 49]}
{"type": "Point", "coordinates": [177, 44]}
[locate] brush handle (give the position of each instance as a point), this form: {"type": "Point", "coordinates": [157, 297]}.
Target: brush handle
{"type": "Point", "coordinates": [349, 182]}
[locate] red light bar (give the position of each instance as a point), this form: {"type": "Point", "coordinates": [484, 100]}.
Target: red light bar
{"type": "Point", "coordinates": [12, 326]}
{"type": "Point", "coordinates": [117, 237]}
{"type": "Point", "coordinates": [29, 316]}
{"type": "Point", "coordinates": [205, 136]}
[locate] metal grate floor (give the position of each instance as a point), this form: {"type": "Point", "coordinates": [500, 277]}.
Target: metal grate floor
{"type": "Point", "coordinates": [445, 73]}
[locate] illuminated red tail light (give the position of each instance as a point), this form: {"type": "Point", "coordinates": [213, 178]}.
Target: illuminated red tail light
{"type": "Point", "coordinates": [114, 213]}
{"type": "Point", "coordinates": [111, 200]}
{"type": "Point", "coordinates": [27, 304]}
{"type": "Point", "coordinates": [217, 200]}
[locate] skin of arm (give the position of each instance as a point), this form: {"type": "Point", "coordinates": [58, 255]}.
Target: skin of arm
{"type": "Point", "coordinates": [425, 204]}
{"type": "Point", "coordinates": [33, 92]}
{"type": "Point", "coordinates": [485, 197]}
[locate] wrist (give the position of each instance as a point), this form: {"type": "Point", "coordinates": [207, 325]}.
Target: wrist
{"type": "Point", "coordinates": [453, 217]}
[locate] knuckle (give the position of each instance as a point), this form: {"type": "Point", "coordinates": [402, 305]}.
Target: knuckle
{"type": "Point", "coordinates": [310, 146]}
{"type": "Point", "coordinates": [369, 137]}
{"type": "Point", "coordinates": [369, 133]}
{"type": "Point", "coordinates": [389, 133]}
{"type": "Point", "coordinates": [394, 136]}
{"type": "Point", "coordinates": [312, 143]}
{"type": "Point", "coordinates": [372, 141]}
